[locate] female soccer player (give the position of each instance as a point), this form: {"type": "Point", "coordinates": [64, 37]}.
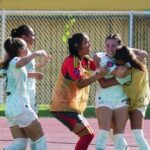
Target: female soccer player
{"type": "Point", "coordinates": [70, 95]}
{"type": "Point", "coordinates": [26, 33]}
{"type": "Point", "coordinates": [136, 112]}
{"type": "Point", "coordinates": [22, 120]}
{"type": "Point", "coordinates": [137, 90]}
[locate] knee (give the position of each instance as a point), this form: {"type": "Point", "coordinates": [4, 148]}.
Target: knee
{"type": "Point", "coordinates": [87, 138]}
{"type": "Point", "coordinates": [91, 135]}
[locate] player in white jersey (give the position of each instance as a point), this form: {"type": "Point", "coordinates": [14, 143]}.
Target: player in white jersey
{"type": "Point", "coordinates": [112, 42]}
{"type": "Point", "coordinates": [111, 104]}
{"type": "Point", "coordinates": [104, 96]}
{"type": "Point", "coordinates": [137, 91]}
{"type": "Point", "coordinates": [31, 83]}
{"type": "Point", "coordinates": [26, 33]}
{"type": "Point", "coordinates": [22, 120]}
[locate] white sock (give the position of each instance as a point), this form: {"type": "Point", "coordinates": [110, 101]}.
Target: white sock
{"type": "Point", "coordinates": [101, 139]}
{"type": "Point", "coordinates": [17, 144]}
{"type": "Point", "coordinates": [140, 140]}
{"type": "Point", "coordinates": [120, 142]}
{"type": "Point", "coordinates": [39, 144]}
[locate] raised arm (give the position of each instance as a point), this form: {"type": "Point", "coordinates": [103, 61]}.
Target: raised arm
{"type": "Point", "coordinates": [140, 53]}
{"type": "Point", "coordinates": [24, 60]}
{"type": "Point", "coordinates": [44, 61]}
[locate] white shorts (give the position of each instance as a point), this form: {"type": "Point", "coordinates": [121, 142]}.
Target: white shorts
{"type": "Point", "coordinates": [112, 105]}
{"type": "Point", "coordinates": [23, 120]}
{"type": "Point", "coordinates": [35, 108]}
{"type": "Point", "coordinates": [142, 110]}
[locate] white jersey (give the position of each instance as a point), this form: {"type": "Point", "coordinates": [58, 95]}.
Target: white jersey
{"type": "Point", "coordinates": [31, 68]}
{"type": "Point", "coordinates": [112, 94]}
{"type": "Point", "coordinates": [107, 61]}
{"type": "Point", "coordinates": [18, 100]}
{"type": "Point", "coordinates": [31, 83]}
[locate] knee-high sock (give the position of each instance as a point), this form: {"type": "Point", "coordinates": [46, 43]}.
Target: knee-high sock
{"type": "Point", "coordinates": [84, 142]}
{"type": "Point", "coordinates": [101, 139]}
{"type": "Point", "coordinates": [120, 142]}
{"type": "Point", "coordinates": [39, 144]}
{"type": "Point", "coordinates": [140, 140]}
{"type": "Point", "coordinates": [17, 144]}
{"type": "Point", "coordinates": [86, 135]}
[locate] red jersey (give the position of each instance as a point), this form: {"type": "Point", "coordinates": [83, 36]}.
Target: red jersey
{"type": "Point", "coordinates": [71, 70]}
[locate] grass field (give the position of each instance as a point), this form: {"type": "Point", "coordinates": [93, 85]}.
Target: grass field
{"type": "Point", "coordinates": [44, 111]}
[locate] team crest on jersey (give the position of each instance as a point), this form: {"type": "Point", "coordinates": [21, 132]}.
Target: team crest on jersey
{"type": "Point", "coordinates": [76, 71]}
{"type": "Point", "coordinates": [110, 64]}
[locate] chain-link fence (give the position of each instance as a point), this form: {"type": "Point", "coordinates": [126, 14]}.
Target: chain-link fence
{"type": "Point", "coordinates": [52, 28]}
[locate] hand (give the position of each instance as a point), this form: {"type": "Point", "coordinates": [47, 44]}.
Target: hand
{"type": "Point", "coordinates": [103, 71]}
{"type": "Point", "coordinates": [121, 71]}
{"type": "Point", "coordinates": [41, 53]}
{"type": "Point", "coordinates": [96, 61]}
{"type": "Point", "coordinates": [46, 59]}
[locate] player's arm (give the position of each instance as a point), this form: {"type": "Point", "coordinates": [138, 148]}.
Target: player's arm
{"type": "Point", "coordinates": [122, 75]}
{"type": "Point", "coordinates": [35, 75]}
{"type": "Point", "coordinates": [45, 60]}
{"type": "Point", "coordinates": [81, 83]}
{"type": "Point", "coordinates": [26, 59]}
{"type": "Point", "coordinates": [104, 83]}
{"type": "Point", "coordinates": [74, 74]}
{"type": "Point", "coordinates": [121, 71]}
{"type": "Point", "coordinates": [96, 60]}
{"type": "Point", "coordinates": [140, 53]}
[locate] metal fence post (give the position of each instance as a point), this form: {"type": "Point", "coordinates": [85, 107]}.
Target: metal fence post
{"type": "Point", "coordinates": [2, 54]}
{"type": "Point", "coordinates": [3, 31]}
{"type": "Point", "coordinates": [131, 29]}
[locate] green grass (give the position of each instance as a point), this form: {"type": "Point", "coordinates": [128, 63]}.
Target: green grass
{"type": "Point", "coordinates": [44, 111]}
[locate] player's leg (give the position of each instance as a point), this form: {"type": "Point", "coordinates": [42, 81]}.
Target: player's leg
{"type": "Point", "coordinates": [120, 116]}
{"type": "Point", "coordinates": [79, 125]}
{"type": "Point", "coordinates": [136, 120]}
{"type": "Point", "coordinates": [33, 130]}
{"type": "Point", "coordinates": [19, 136]}
{"type": "Point", "coordinates": [104, 117]}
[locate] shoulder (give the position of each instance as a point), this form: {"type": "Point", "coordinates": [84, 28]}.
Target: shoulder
{"type": "Point", "coordinates": [101, 54]}
{"type": "Point", "coordinates": [71, 61]}
{"type": "Point", "coordinates": [14, 61]}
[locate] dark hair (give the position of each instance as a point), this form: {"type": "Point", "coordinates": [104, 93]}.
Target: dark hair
{"type": "Point", "coordinates": [12, 47]}
{"type": "Point", "coordinates": [125, 54]}
{"type": "Point", "coordinates": [116, 37]}
{"type": "Point", "coordinates": [21, 30]}
{"type": "Point", "coordinates": [75, 43]}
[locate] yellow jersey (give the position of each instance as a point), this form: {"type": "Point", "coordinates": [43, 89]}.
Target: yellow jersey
{"type": "Point", "coordinates": [138, 89]}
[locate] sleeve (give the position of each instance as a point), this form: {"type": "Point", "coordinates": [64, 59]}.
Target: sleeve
{"type": "Point", "coordinates": [92, 66]}
{"type": "Point", "coordinates": [70, 71]}
{"type": "Point", "coordinates": [14, 62]}
{"type": "Point", "coordinates": [124, 80]}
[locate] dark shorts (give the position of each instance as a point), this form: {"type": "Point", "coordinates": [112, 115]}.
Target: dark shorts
{"type": "Point", "coordinates": [69, 119]}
